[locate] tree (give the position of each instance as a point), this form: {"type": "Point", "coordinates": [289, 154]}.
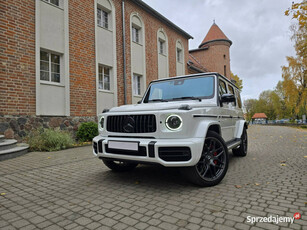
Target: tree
{"type": "Point", "coordinates": [239, 82]}
{"type": "Point", "coordinates": [294, 74]}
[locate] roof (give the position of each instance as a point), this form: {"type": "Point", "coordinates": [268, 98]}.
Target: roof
{"type": "Point", "coordinates": [259, 115]}
{"type": "Point", "coordinates": [159, 16]}
{"type": "Point", "coordinates": [194, 63]}
{"type": "Point", "coordinates": [214, 34]}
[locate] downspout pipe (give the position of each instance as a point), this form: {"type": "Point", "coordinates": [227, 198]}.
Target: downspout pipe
{"type": "Point", "coordinates": [124, 52]}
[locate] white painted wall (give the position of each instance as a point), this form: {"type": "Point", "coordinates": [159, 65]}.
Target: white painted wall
{"type": "Point", "coordinates": [163, 65]}
{"type": "Point", "coordinates": [138, 60]}
{"type": "Point", "coordinates": [180, 67]}
{"type": "Point", "coordinates": [52, 34]}
{"type": "Point", "coordinates": [106, 55]}
{"type": "Point", "coordinates": [52, 102]}
{"type": "Point", "coordinates": [51, 27]}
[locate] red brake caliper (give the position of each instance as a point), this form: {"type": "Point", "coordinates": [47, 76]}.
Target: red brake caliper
{"type": "Point", "coordinates": [215, 161]}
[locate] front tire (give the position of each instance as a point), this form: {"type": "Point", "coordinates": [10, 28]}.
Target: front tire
{"type": "Point", "coordinates": [213, 163]}
{"type": "Point", "coordinates": [242, 150]}
{"type": "Point", "coordinates": [119, 166]}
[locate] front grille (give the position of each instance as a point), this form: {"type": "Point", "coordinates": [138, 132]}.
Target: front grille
{"type": "Point", "coordinates": [132, 123]}
{"type": "Point", "coordinates": [175, 153]}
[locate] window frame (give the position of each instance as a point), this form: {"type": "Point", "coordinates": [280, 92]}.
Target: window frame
{"type": "Point", "coordinates": [101, 78]}
{"type": "Point", "coordinates": [50, 67]}
{"type": "Point", "coordinates": [179, 55]}
{"type": "Point", "coordinates": [229, 87]}
{"type": "Point", "coordinates": [136, 31]}
{"type": "Point", "coordinates": [162, 46]}
{"type": "Point", "coordinates": [52, 3]}
{"type": "Point", "coordinates": [220, 80]}
{"type": "Point", "coordinates": [137, 85]}
{"type": "Point", "coordinates": [103, 19]}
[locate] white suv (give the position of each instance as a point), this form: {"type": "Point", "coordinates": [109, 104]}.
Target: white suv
{"type": "Point", "coordinates": [188, 121]}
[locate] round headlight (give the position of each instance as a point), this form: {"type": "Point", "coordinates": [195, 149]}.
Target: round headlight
{"type": "Point", "coordinates": [173, 122]}
{"type": "Point", "coordinates": [101, 122]}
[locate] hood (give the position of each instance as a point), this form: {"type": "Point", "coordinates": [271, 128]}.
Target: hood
{"type": "Point", "coordinates": [157, 106]}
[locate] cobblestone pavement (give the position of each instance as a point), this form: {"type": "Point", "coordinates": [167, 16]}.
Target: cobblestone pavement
{"type": "Point", "coordinates": [73, 190]}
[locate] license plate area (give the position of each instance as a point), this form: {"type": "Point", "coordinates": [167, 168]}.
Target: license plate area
{"type": "Point", "coordinates": [124, 145]}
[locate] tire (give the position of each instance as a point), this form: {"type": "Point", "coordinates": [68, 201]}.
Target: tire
{"type": "Point", "coordinates": [242, 150]}
{"type": "Point", "coordinates": [213, 164]}
{"type": "Point", "coordinates": [119, 166]}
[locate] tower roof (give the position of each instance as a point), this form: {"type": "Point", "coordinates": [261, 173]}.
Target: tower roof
{"type": "Point", "coordinates": [214, 34]}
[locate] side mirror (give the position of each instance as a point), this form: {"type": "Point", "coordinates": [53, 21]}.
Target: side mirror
{"type": "Point", "coordinates": [228, 98]}
{"type": "Point", "coordinates": [139, 102]}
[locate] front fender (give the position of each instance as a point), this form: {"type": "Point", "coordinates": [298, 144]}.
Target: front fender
{"type": "Point", "coordinates": [239, 128]}
{"type": "Point", "coordinates": [203, 126]}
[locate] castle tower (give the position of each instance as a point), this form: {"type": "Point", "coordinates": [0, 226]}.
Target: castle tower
{"type": "Point", "coordinates": [213, 52]}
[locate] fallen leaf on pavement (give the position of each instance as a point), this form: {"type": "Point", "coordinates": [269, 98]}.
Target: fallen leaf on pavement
{"type": "Point", "coordinates": [283, 164]}
{"type": "Point", "coordinates": [257, 184]}
{"type": "Point", "coordinates": [48, 157]}
{"type": "Point", "coordinates": [2, 194]}
{"type": "Point", "coordinates": [238, 186]}
{"type": "Point", "coordinates": [305, 156]}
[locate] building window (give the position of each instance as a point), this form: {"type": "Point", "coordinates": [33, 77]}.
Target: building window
{"type": "Point", "coordinates": [104, 77]}
{"type": "Point", "coordinates": [225, 70]}
{"type": "Point", "coordinates": [49, 67]}
{"type": "Point", "coordinates": [179, 55]}
{"type": "Point", "coordinates": [135, 34]}
{"type": "Point", "coordinates": [137, 84]}
{"type": "Point", "coordinates": [102, 18]}
{"type": "Point", "coordinates": [224, 56]}
{"type": "Point", "coordinates": [161, 46]}
{"type": "Point", "coordinates": [53, 2]}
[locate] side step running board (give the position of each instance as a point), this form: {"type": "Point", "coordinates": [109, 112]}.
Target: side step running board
{"type": "Point", "coordinates": [234, 143]}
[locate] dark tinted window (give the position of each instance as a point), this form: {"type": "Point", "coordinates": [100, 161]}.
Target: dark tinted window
{"type": "Point", "coordinates": [231, 91]}
{"type": "Point", "coordinates": [222, 87]}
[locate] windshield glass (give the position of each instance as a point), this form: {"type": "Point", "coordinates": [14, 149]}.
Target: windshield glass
{"type": "Point", "coordinates": [183, 88]}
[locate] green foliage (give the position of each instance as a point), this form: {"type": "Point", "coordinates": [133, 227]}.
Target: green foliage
{"type": "Point", "coordinates": [49, 140]}
{"type": "Point", "coordinates": [289, 99]}
{"type": "Point", "coordinates": [87, 131]}
{"type": "Point", "coordinates": [239, 82]}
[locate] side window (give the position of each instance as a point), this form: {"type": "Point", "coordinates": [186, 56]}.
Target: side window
{"type": "Point", "coordinates": [222, 87]}
{"type": "Point", "coordinates": [231, 91]}
{"type": "Point", "coordinates": [239, 99]}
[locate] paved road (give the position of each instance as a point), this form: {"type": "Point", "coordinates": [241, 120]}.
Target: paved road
{"type": "Point", "coordinates": [73, 190]}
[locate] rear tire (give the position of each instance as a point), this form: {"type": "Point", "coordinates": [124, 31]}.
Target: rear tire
{"type": "Point", "coordinates": [213, 163]}
{"type": "Point", "coordinates": [119, 166]}
{"type": "Point", "coordinates": [242, 150]}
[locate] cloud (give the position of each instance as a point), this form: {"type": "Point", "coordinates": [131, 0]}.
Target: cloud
{"type": "Point", "coordinates": [258, 29]}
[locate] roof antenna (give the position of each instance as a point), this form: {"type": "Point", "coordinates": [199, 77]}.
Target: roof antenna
{"type": "Point", "coordinates": [213, 21]}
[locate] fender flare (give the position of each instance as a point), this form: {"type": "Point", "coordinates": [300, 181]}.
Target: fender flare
{"type": "Point", "coordinates": [203, 126]}
{"type": "Point", "coordinates": [239, 128]}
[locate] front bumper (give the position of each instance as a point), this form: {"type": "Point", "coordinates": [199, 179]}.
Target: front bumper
{"type": "Point", "coordinates": [167, 152]}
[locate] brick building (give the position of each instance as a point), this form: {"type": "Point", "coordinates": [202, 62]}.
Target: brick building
{"type": "Point", "coordinates": [212, 54]}
{"type": "Point", "coordinates": [63, 62]}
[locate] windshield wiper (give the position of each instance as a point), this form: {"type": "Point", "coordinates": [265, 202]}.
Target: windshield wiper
{"type": "Point", "coordinates": [159, 100]}
{"type": "Point", "coordinates": [187, 98]}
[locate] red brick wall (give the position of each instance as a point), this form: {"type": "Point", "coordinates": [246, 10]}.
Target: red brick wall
{"type": "Point", "coordinates": [152, 25]}
{"type": "Point", "coordinates": [82, 60]}
{"type": "Point", "coordinates": [213, 58]}
{"type": "Point", "coordinates": [17, 57]}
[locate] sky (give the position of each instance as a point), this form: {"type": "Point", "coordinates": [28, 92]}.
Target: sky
{"type": "Point", "coordinates": [258, 29]}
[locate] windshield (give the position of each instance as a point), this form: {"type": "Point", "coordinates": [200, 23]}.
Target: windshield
{"type": "Point", "coordinates": [181, 89]}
